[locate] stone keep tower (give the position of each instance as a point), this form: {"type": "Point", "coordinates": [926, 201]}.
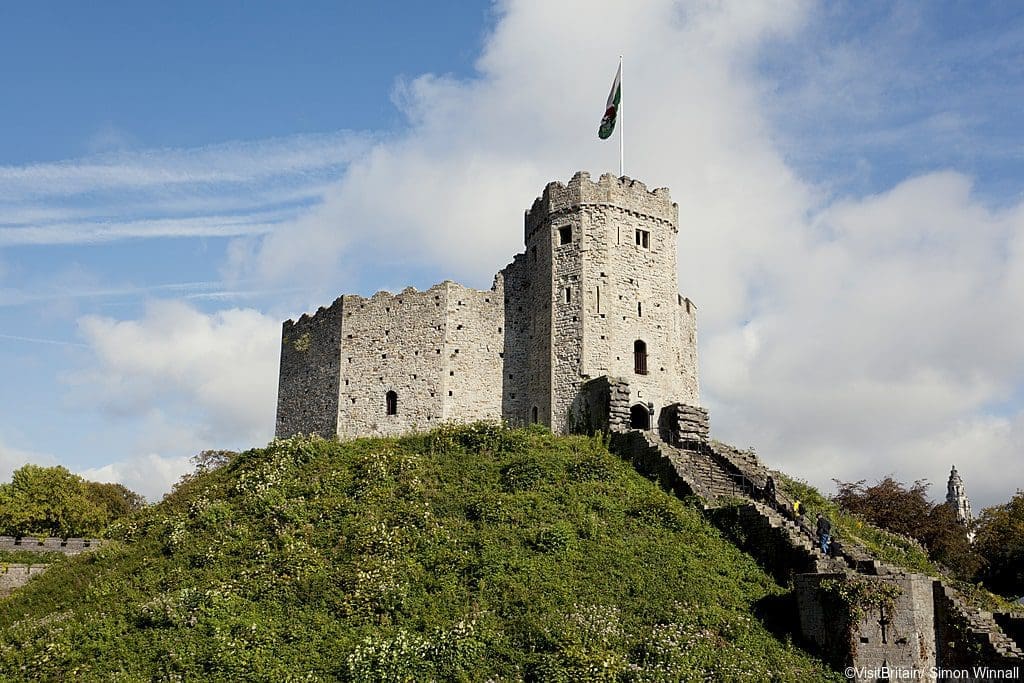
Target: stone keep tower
{"type": "Point", "coordinates": [594, 294]}
{"type": "Point", "coordinates": [597, 295]}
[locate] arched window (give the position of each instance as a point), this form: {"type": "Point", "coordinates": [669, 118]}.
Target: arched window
{"type": "Point", "coordinates": [639, 357]}
{"type": "Point", "coordinates": [640, 417]}
{"type": "Point", "coordinates": [535, 415]}
{"type": "Point", "coordinates": [391, 399]}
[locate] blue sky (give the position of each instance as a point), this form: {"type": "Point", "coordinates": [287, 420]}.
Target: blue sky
{"type": "Point", "coordinates": [176, 180]}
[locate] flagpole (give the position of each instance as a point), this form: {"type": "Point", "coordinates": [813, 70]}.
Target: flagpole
{"type": "Point", "coordinates": [622, 164]}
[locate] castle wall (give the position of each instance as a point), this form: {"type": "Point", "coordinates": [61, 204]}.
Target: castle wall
{"type": "Point", "coordinates": [529, 295]}
{"type": "Point", "coordinates": [565, 311]}
{"type": "Point", "coordinates": [516, 401]}
{"type": "Point", "coordinates": [473, 352]}
{"type": "Point", "coordinates": [307, 394]}
{"type": "Point", "coordinates": [392, 342]}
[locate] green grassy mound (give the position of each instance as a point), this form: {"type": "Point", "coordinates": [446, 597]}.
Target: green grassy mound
{"type": "Point", "coordinates": [468, 553]}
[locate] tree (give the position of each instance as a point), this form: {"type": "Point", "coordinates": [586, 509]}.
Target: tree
{"type": "Point", "coordinates": [51, 501]}
{"type": "Point", "coordinates": [113, 500]}
{"type": "Point", "coordinates": [1000, 541]}
{"type": "Point", "coordinates": [908, 511]}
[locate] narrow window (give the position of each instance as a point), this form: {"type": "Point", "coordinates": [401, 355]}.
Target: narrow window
{"type": "Point", "coordinates": [598, 299]}
{"type": "Point", "coordinates": [643, 239]}
{"type": "Point", "coordinates": [639, 310]}
{"type": "Point", "coordinates": [639, 357]}
{"type": "Point", "coordinates": [535, 415]}
{"type": "Point", "coordinates": [533, 253]}
{"type": "Point", "coordinates": [391, 401]}
{"type": "Point", "coordinates": [568, 295]}
{"type": "Point", "coordinates": [565, 234]}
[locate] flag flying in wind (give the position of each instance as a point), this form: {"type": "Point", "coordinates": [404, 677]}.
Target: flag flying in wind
{"type": "Point", "coordinates": [611, 110]}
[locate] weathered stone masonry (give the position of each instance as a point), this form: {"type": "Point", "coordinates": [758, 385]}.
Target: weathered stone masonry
{"type": "Point", "coordinates": [593, 294]}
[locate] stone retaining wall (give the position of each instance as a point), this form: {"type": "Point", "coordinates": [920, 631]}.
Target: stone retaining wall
{"type": "Point", "coordinates": [14, 576]}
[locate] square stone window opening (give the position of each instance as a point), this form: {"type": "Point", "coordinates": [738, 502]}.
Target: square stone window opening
{"type": "Point", "coordinates": [565, 234]}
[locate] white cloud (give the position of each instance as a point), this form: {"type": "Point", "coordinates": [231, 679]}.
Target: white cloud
{"type": "Point", "coordinates": [151, 475]}
{"type": "Point", "coordinates": [12, 458]}
{"type": "Point", "coordinates": [230, 189]}
{"type": "Point", "coordinates": [215, 374]}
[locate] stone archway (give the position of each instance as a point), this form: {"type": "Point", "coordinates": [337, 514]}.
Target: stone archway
{"type": "Point", "coordinates": [640, 417]}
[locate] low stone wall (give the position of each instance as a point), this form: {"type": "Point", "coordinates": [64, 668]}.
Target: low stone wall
{"type": "Point", "coordinates": [14, 576]}
{"type": "Point", "coordinates": [68, 546]}
{"type": "Point", "coordinates": [773, 541]}
{"type": "Point", "coordinates": [929, 624]}
{"type": "Point", "coordinates": [683, 425]}
{"type": "Point", "coordinates": [647, 456]}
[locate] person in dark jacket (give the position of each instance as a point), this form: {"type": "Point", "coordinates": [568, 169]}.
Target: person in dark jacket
{"type": "Point", "coordinates": [824, 532]}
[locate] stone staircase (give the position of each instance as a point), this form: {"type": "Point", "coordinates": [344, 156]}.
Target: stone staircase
{"type": "Point", "coordinates": [980, 626]}
{"type": "Point", "coordinates": [721, 476]}
{"type": "Point", "coordinates": [703, 470]}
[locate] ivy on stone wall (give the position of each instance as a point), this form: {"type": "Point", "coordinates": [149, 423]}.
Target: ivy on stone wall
{"type": "Point", "coordinates": [859, 596]}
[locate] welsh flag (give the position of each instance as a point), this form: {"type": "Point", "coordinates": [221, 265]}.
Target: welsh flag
{"type": "Point", "coordinates": [611, 110]}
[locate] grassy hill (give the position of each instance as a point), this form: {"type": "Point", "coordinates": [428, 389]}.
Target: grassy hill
{"type": "Point", "coordinates": [464, 554]}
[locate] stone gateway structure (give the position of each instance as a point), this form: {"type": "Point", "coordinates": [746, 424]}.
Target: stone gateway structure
{"type": "Point", "coordinates": [594, 294]}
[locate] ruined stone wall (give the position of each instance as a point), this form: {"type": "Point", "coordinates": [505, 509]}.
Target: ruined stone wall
{"type": "Point", "coordinates": [474, 353]}
{"type": "Point", "coordinates": [307, 393]}
{"type": "Point", "coordinates": [14, 576]}
{"type": "Point", "coordinates": [602, 405]}
{"type": "Point", "coordinates": [902, 636]}
{"type": "Point", "coordinates": [392, 342]}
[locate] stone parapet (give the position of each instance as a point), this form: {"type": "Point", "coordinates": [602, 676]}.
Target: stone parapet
{"type": "Point", "coordinates": [68, 546]}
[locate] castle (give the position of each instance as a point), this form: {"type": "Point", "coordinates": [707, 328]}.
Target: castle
{"type": "Point", "coordinates": [594, 294]}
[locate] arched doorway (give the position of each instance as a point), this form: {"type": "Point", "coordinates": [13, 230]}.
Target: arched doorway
{"type": "Point", "coordinates": [639, 417]}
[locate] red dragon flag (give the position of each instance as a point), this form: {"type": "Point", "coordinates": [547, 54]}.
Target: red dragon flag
{"type": "Point", "coordinates": [611, 110]}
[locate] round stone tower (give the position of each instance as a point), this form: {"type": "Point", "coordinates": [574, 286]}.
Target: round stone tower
{"type": "Point", "coordinates": [600, 293]}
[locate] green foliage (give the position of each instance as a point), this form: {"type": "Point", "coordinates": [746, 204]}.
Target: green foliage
{"type": "Point", "coordinates": [51, 501]}
{"type": "Point", "coordinates": [907, 511]}
{"type": "Point", "coordinates": [29, 557]}
{"type": "Point", "coordinates": [886, 546]}
{"type": "Point", "coordinates": [1000, 541]}
{"type": "Point", "coordinates": [406, 559]}
{"type": "Point", "coordinates": [860, 595]}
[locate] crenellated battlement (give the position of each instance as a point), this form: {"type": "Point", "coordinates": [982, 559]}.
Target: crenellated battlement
{"type": "Point", "coordinates": [307, 319]}
{"type": "Point", "coordinates": [627, 194]}
{"type": "Point", "coordinates": [68, 546]}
